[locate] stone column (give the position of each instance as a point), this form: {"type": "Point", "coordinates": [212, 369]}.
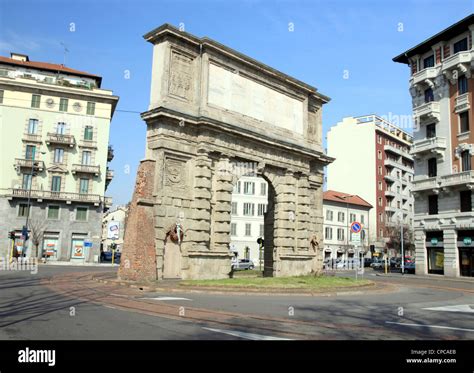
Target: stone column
{"type": "Point", "coordinates": [450, 252]}
{"type": "Point", "coordinates": [285, 214]}
{"type": "Point", "coordinates": [303, 202]}
{"type": "Point", "coordinates": [421, 262]}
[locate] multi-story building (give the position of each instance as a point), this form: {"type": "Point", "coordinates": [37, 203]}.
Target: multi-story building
{"type": "Point", "coordinates": [249, 203]}
{"type": "Point", "coordinates": [114, 220]}
{"type": "Point", "coordinates": [54, 136]}
{"type": "Point", "coordinates": [442, 87]}
{"type": "Point", "coordinates": [340, 211]}
{"type": "Point", "coordinates": [373, 157]}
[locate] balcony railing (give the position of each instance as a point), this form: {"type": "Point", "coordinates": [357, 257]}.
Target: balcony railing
{"type": "Point", "coordinates": [425, 75]}
{"type": "Point", "coordinates": [110, 154]}
{"type": "Point", "coordinates": [56, 138]}
{"type": "Point", "coordinates": [430, 183]}
{"type": "Point", "coordinates": [432, 145]}
{"type": "Point", "coordinates": [32, 137]}
{"type": "Point", "coordinates": [60, 196]}
{"type": "Point", "coordinates": [37, 165]}
{"type": "Point", "coordinates": [460, 178]}
{"type": "Point", "coordinates": [85, 169]}
{"type": "Point", "coordinates": [454, 61]}
{"type": "Point", "coordinates": [397, 151]}
{"type": "Point", "coordinates": [109, 175]}
{"type": "Point", "coordinates": [88, 144]}
{"type": "Point", "coordinates": [390, 193]}
{"type": "Point", "coordinates": [389, 162]}
{"type": "Point", "coordinates": [427, 111]}
{"type": "Point", "coordinates": [390, 178]}
{"type": "Point", "coordinates": [462, 103]}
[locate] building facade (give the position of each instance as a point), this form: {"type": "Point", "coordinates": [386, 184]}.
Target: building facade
{"type": "Point", "coordinates": [373, 157]}
{"type": "Point", "coordinates": [54, 135]}
{"type": "Point", "coordinates": [340, 211]}
{"type": "Point", "coordinates": [249, 204]}
{"type": "Point", "coordinates": [442, 87]}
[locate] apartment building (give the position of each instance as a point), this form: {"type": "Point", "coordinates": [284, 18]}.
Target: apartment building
{"type": "Point", "coordinates": [340, 210]}
{"type": "Point", "coordinates": [373, 157]}
{"type": "Point", "coordinates": [442, 87]}
{"type": "Point", "coordinates": [54, 154]}
{"type": "Point", "coordinates": [249, 203]}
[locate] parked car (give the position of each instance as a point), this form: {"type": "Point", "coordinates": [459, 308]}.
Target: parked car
{"type": "Point", "coordinates": [242, 264]}
{"type": "Point", "coordinates": [378, 264]}
{"type": "Point", "coordinates": [409, 267]}
{"type": "Point", "coordinates": [106, 256]}
{"type": "Point", "coordinates": [368, 262]}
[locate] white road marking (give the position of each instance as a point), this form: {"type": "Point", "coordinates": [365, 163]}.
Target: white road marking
{"type": "Point", "coordinates": [252, 336]}
{"type": "Point", "coordinates": [459, 308]}
{"type": "Point", "coordinates": [168, 298]}
{"type": "Point", "coordinates": [430, 326]}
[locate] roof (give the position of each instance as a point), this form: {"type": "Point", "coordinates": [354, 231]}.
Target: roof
{"type": "Point", "coordinates": [49, 67]}
{"type": "Point", "coordinates": [352, 199]}
{"type": "Point", "coordinates": [444, 35]}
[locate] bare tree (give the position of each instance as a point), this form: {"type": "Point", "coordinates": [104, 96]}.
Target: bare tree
{"type": "Point", "coordinates": [394, 241]}
{"type": "Point", "coordinates": [36, 227]}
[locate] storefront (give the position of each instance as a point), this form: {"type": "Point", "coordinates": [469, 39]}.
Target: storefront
{"type": "Point", "coordinates": [78, 247]}
{"type": "Point", "coordinates": [50, 246]}
{"type": "Point", "coordinates": [466, 253]}
{"type": "Point", "coordinates": [435, 252]}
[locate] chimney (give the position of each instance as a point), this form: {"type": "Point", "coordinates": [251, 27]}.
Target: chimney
{"type": "Point", "coordinates": [19, 57]}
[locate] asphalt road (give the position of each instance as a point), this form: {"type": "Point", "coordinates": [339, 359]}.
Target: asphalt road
{"type": "Point", "coordinates": [410, 309]}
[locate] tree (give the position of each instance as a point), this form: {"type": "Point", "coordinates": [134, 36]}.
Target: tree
{"type": "Point", "coordinates": [394, 240]}
{"type": "Point", "coordinates": [36, 227]}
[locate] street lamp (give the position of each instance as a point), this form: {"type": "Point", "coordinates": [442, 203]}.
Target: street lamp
{"type": "Point", "coordinates": [401, 243]}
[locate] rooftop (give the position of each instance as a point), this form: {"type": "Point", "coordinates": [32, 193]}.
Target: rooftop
{"type": "Point", "coordinates": [352, 199]}
{"type": "Point", "coordinates": [448, 33]}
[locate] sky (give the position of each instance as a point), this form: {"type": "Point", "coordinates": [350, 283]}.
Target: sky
{"type": "Point", "coordinates": [344, 48]}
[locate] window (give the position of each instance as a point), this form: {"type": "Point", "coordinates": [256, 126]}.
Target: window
{"type": "Point", "coordinates": [380, 185]}
{"type": "Point", "coordinates": [379, 154]}
{"type": "Point", "coordinates": [249, 209]}
{"type": "Point", "coordinates": [32, 126]}
{"type": "Point", "coordinates": [262, 207]}
{"type": "Point", "coordinates": [431, 130]}
{"type": "Point", "coordinates": [380, 170]}
{"type": "Point", "coordinates": [462, 85]}
{"type": "Point", "coordinates": [56, 184]}
{"type": "Point", "coordinates": [53, 212]}
{"type": "Point", "coordinates": [380, 201]}
{"type": "Point", "coordinates": [379, 139]}
{"type": "Point", "coordinates": [464, 122]}
{"type": "Point", "coordinates": [249, 187]}
{"type": "Point", "coordinates": [460, 46]}
{"type": "Point", "coordinates": [58, 155]}
{"type": "Point", "coordinates": [27, 179]}
{"type": "Point", "coordinates": [61, 128]}
{"type": "Point", "coordinates": [362, 218]}
{"type": "Point", "coordinates": [352, 218]}
{"type": "Point", "coordinates": [84, 186]}
{"type": "Point", "coordinates": [91, 108]}
{"type": "Point", "coordinates": [30, 151]}
{"type": "Point", "coordinates": [398, 204]}
{"type": "Point", "coordinates": [263, 189]}
{"type": "Point", "coordinates": [81, 213]}
{"type": "Point", "coordinates": [237, 187]}
{"type": "Point", "coordinates": [381, 218]}
{"type": "Point", "coordinates": [362, 235]}
{"type": "Point", "coordinates": [234, 208]}
{"type": "Point", "coordinates": [340, 234]}
{"type": "Point", "coordinates": [429, 96]}
{"type": "Point", "coordinates": [429, 62]}
{"type": "Point", "coordinates": [398, 189]}
{"type": "Point", "coordinates": [23, 210]}
{"type": "Point", "coordinates": [86, 157]}
{"type": "Point", "coordinates": [432, 167]}
{"type": "Point", "coordinates": [340, 217]}
{"type": "Point", "coordinates": [329, 215]}
{"type": "Point", "coordinates": [328, 233]}
{"type": "Point", "coordinates": [88, 133]}
{"type": "Point", "coordinates": [466, 201]}
{"type": "Point", "coordinates": [35, 101]}
{"type": "Point", "coordinates": [1, 96]}
{"type": "Point", "coordinates": [466, 160]}
{"type": "Point", "coordinates": [63, 103]}
{"type": "Point", "coordinates": [433, 204]}
{"type": "Point", "coordinates": [233, 229]}
{"type": "Point", "coordinates": [262, 230]}
{"type": "Point", "coordinates": [248, 229]}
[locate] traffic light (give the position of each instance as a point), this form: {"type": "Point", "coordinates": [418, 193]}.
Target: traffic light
{"type": "Point", "coordinates": [24, 233]}
{"type": "Point", "coordinates": [11, 235]}
{"type": "Point", "coordinates": [113, 246]}
{"type": "Point", "coordinates": [260, 241]}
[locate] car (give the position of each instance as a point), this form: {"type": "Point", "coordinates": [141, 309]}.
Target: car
{"type": "Point", "coordinates": [106, 256]}
{"type": "Point", "coordinates": [409, 267]}
{"type": "Point", "coordinates": [242, 264]}
{"type": "Point", "coordinates": [378, 264]}
{"type": "Point", "coordinates": [368, 262]}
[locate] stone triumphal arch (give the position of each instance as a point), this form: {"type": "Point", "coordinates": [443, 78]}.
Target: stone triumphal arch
{"type": "Point", "coordinates": [214, 115]}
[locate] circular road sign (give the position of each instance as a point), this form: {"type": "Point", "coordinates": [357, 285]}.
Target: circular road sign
{"type": "Point", "coordinates": [356, 227]}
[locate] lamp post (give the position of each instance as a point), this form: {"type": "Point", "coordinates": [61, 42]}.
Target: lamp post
{"type": "Point", "coordinates": [401, 243]}
{"type": "Point", "coordinates": [347, 215]}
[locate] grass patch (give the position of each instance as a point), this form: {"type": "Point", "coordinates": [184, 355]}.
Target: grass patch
{"type": "Point", "coordinates": [284, 283]}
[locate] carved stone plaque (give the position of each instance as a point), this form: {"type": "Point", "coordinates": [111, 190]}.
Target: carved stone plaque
{"type": "Point", "coordinates": [181, 76]}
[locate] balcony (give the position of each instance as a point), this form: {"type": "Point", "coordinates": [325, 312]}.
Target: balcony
{"type": "Point", "coordinates": [390, 178]}
{"type": "Point", "coordinates": [56, 138]}
{"type": "Point", "coordinates": [460, 61]}
{"type": "Point", "coordinates": [34, 164]}
{"type": "Point", "coordinates": [85, 169]}
{"type": "Point", "coordinates": [465, 178]}
{"type": "Point", "coordinates": [390, 193]}
{"type": "Point", "coordinates": [389, 162]}
{"type": "Point", "coordinates": [425, 76]}
{"type": "Point", "coordinates": [88, 144]}
{"type": "Point", "coordinates": [110, 154]}
{"type": "Point", "coordinates": [397, 151]}
{"type": "Point", "coordinates": [389, 208]}
{"type": "Point", "coordinates": [462, 103]}
{"type": "Point", "coordinates": [427, 111]}
{"type": "Point", "coordinates": [428, 146]}
{"type": "Point", "coordinates": [41, 195]}
{"type": "Point", "coordinates": [431, 183]}
{"type": "Point", "coordinates": [31, 137]}
{"type": "Point", "coordinates": [109, 174]}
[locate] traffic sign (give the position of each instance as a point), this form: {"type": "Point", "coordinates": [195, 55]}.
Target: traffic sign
{"type": "Point", "coordinates": [356, 227]}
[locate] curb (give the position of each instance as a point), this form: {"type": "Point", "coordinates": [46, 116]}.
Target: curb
{"type": "Point", "coordinates": [236, 291]}
{"type": "Point", "coordinates": [424, 277]}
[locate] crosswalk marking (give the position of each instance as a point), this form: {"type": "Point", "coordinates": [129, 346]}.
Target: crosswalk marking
{"type": "Point", "coordinates": [251, 336]}
{"type": "Point", "coordinates": [168, 298]}
{"type": "Point", "coordinates": [429, 326]}
{"type": "Point", "coordinates": [458, 308]}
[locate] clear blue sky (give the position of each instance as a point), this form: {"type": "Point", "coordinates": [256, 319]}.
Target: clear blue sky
{"type": "Point", "coordinates": [329, 37]}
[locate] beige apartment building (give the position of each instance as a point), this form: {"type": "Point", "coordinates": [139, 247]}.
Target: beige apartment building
{"type": "Point", "coordinates": [373, 158]}
{"type": "Point", "coordinates": [54, 154]}
{"type": "Point", "coordinates": [441, 86]}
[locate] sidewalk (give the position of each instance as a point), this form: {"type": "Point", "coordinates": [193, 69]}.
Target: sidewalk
{"type": "Point", "coordinates": [72, 264]}
{"type": "Point", "coordinates": [468, 280]}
